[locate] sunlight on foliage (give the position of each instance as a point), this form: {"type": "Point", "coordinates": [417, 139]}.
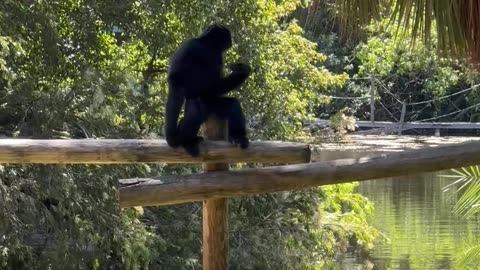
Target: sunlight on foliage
{"type": "Point", "coordinates": [470, 258]}
{"type": "Point", "coordinates": [467, 184]}
{"type": "Point", "coordinates": [468, 188]}
{"type": "Point", "coordinates": [346, 212]}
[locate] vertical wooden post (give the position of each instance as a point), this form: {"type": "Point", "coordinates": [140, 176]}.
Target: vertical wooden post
{"type": "Point", "coordinates": [372, 101]}
{"type": "Point", "coordinates": [215, 211]}
{"type": "Point", "coordinates": [402, 118]}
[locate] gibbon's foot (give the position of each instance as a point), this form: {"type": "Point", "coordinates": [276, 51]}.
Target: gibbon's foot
{"type": "Point", "coordinates": [192, 148]}
{"type": "Point", "coordinates": [172, 143]}
{"type": "Point", "coordinates": [241, 141]}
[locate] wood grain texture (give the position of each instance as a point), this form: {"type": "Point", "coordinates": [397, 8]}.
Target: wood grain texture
{"type": "Point", "coordinates": [110, 151]}
{"type": "Point", "coordinates": [197, 187]}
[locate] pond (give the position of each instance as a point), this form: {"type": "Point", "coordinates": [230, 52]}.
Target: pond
{"type": "Point", "coordinates": [415, 214]}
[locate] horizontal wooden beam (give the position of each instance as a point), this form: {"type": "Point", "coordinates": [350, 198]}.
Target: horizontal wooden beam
{"type": "Point", "coordinates": [110, 151]}
{"type": "Point", "coordinates": [409, 125]}
{"type": "Point", "coordinates": [182, 189]}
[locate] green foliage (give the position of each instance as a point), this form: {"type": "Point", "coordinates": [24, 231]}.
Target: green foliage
{"type": "Point", "coordinates": [308, 228]}
{"type": "Point", "coordinates": [50, 219]}
{"type": "Point", "coordinates": [342, 123]}
{"type": "Point", "coordinates": [452, 21]}
{"type": "Point", "coordinates": [384, 58]}
{"type": "Point", "coordinates": [401, 73]}
{"type": "Point", "coordinates": [288, 76]}
{"type": "Point", "coordinates": [423, 71]}
{"type": "Point", "coordinates": [470, 258]}
{"type": "Point", "coordinates": [468, 180]}
{"type": "Point", "coordinates": [346, 214]}
{"type": "Point", "coordinates": [468, 205]}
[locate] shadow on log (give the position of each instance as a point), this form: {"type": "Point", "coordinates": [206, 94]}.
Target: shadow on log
{"type": "Point", "coordinates": [109, 151]}
{"type": "Point", "coordinates": [197, 187]}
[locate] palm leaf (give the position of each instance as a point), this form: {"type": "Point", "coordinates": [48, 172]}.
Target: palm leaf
{"type": "Point", "coordinates": [470, 257]}
{"type": "Point", "coordinates": [456, 22]}
{"type": "Point", "coordinates": [467, 205]}
{"type": "Point", "coordinates": [468, 181]}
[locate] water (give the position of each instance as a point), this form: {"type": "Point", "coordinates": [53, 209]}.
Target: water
{"type": "Point", "coordinates": [415, 214]}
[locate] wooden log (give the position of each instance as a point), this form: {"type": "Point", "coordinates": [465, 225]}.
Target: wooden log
{"type": "Point", "coordinates": [215, 211]}
{"type": "Point", "coordinates": [182, 189]}
{"type": "Point", "coordinates": [110, 151]}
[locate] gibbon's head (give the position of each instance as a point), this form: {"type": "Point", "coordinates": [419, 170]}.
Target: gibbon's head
{"type": "Point", "coordinates": [218, 36]}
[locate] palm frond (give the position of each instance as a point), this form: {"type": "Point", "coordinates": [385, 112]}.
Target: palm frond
{"type": "Point", "coordinates": [470, 257]}
{"type": "Point", "coordinates": [468, 14]}
{"type": "Point", "coordinates": [455, 22]}
{"type": "Point", "coordinates": [353, 14]}
{"type": "Point", "coordinates": [467, 205]}
{"type": "Point", "coordinates": [365, 11]}
{"type": "Point", "coordinates": [468, 181]}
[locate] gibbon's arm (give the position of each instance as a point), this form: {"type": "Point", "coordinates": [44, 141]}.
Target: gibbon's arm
{"type": "Point", "coordinates": [227, 84]}
{"type": "Point", "coordinates": [174, 105]}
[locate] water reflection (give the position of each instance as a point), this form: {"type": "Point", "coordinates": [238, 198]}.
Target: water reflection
{"type": "Point", "coordinates": [416, 216]}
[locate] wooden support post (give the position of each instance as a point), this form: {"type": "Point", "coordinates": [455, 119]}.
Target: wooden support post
{"type": "Point", "coordinates": [437, 132]}
{"type": "Point", "coordinates": [215, 211]}
{"type": "Point", "coordinates": [402, 118]}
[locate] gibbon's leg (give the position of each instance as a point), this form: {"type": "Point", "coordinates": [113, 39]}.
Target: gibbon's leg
{"type": "Point", "coordinates": [173, 107]}
{"type": "Point", "coordinates": [195, 115]}
{"type": "Point", "coordinates": [229, 108]}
